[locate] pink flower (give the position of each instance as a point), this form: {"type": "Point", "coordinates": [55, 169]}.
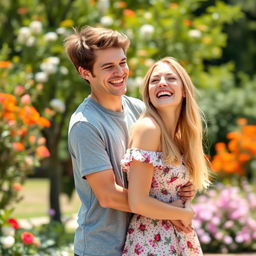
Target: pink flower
{"type": "Point", "coordinates": [138, 249]}
{"type": "Point", "coordinates": [14, 223]}
{"type": "Point", "coordinates": [19, 90]}
{"type": "Point", "coordinates": [189, 244]}
{"type": "Point", "coordinates": [157, 237]}
{"type": "Point", "coordinates": [130, 230]}
{"type": "Point", "coordinates": [172, 249]}
{"type": "Point", "coordinates": [26, 99]}
{"type": "Point", "coordinates": [172, 180]}
{"type": "Point", "coordinates": [142, 227]}
{"type": "Point", "coordinates": [27, 238]}
{"type": "Point", "coordinates": [166, 224]}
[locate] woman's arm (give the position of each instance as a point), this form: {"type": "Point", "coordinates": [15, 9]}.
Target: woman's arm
{"type": "Point", "coordinates": [140, 178]}
{"type": "Point", "coordinates": [146, 135]}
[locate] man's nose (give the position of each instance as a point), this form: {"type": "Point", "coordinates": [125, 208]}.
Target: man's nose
{"type": "Point", "coordinates": [118, 70]}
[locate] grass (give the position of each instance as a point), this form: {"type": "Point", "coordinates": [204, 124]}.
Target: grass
{"type": "Point", "coordinates": [35, 201]}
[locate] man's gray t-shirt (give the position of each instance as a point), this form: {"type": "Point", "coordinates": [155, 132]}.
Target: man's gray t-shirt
{"type": "Point", "coordinates": [97, 141]}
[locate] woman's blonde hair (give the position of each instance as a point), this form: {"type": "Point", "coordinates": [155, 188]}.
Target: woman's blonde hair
{"type": "Point", "coordinates": [188, 133]}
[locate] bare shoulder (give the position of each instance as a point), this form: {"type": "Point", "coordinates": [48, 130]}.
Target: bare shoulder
{"type": "Point", "coordinates": [146, 134]}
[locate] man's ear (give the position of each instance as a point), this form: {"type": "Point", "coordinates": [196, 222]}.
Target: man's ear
{"type": "Point", "coordinates": [84, 73]}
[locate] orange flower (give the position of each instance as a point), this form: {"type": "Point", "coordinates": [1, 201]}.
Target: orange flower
{"type": "Point", "coordinates": [49, 111]}
{"type": "Point", "coordinates": [29, 115]}
{"type": "Point", "coordinates": [242, 121]}
{"type": "Point", "coordinates": [32, 139]}
{"type": "Point", "coordinates": [174, 5]}
{"type": "Point", "coordinates": [22, 132]}
{"type": "Point", "coordinates": [187, 22]}
{"type": "Point", "coordinates": [22, 10]}
{"type": "Point", "coordinates": [5, 64]}
{"type": "Point", "coordinates": [129, 13]}
{"type": "Point", "coordinates": [9, 116]}
{"type": "Point", "coordinates": [41, 141]}
{"type": "Point", "coordinates": [220, 146]}
{"type": "Point", "coordinates": [17, 146]}
{"type": "Point", "coordinates": [233, 146]}
{"type": "Point", "coordinates": [233, 135]}
{"type": "Point", "coordinates": [43, 122]}
{"type": "Point", "coordinates": [121, 4]}
{"type": "Point", "coordinates": [42, 152]}
{"type": "Point", "coordinates": [244, 157]}
{"type": "Point", "coordinates": [17, 186]}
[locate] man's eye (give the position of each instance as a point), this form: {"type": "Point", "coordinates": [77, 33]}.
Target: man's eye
{"type": "Point", "coordinates": [108, 67]}
{"type": "Point", "coordinates": [123, 63]}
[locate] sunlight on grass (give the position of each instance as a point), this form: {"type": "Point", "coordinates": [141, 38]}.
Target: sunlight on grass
{"type": "Point", "coordinates": [35, 201]}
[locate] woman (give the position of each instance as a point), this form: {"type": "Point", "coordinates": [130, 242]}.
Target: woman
{"type": "Point", "coordinates": [165, 153]}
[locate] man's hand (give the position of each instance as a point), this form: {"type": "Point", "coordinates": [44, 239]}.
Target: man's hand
{"type": "Point", "coordinates": [187, 192]}
{"type": "Point", "coordinates": [181, 227]}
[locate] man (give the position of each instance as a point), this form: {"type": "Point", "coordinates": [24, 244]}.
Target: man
{"type": "Point", "coordinates": [98, 138]}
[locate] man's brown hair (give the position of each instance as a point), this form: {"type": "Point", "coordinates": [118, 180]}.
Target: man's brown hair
{"type": "Point", "coordinates": [80, 46]}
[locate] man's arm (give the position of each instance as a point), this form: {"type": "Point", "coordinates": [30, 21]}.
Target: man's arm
{"type": "Point", "coordinates": [108, 193]}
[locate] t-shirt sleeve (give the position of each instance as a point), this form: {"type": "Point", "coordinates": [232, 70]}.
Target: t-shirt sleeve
{"type": "Point", "coordinates": [88, 149]}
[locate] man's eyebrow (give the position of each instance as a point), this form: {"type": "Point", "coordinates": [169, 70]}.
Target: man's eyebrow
{"type": "Point", "coordinates": [111, 63]}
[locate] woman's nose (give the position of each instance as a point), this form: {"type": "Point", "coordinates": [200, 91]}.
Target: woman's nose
{"type": "Point", "coordinates": [162, 82]}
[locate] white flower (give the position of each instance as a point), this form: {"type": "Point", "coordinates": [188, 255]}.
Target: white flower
{"type": "Point", "coordinates": [106, 21]}
{"type": "Point", "coordinates": [63, 70]}
{"type": "Point", "coordinates": [57, 105]}
{"type": "Point", "coordinates": [103, 5]}
{"type": "Point", "coordinates": [41, 77]}
{"type": "Point", "coordinates": [7, 241]}
{"type": "Point", "coordinates": [147, 30]}
{"type": "Point", "coordinates": [30, 41]}
{"type": "Point", "coordinates": [195, 33]}
{"type": "Point", "coordinates": [61, 31]}
{"type": "Point", "coordinates": [36, 27]}
{"type": "Point", "coordinates": [50, 36]}
{"type": "Point", "coordinates": [23, 35]}
{"type": "Point", "coordinates": [53, 60]}
{"type": "Point", "coordinates": [8, 231]}
{"type": "Point", "coordinates": [48, 68]}
{"type": "Point", "coordinates": [49, 65]}
{"type": "Point", "coordinates": [148, 15]}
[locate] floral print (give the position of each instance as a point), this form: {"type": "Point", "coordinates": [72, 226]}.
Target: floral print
{"type": "Point", "coordinates": [149, 237]}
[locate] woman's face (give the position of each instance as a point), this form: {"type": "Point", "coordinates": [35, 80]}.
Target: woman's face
{"type": "Point", "coordinates": [165, 86]}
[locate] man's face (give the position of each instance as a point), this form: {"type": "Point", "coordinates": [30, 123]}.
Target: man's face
{"type": "Point", "coordinates": [110, 73]}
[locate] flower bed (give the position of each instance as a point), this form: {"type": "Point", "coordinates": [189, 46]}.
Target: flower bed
{"type": "Point", "coordinates": [226, 219]}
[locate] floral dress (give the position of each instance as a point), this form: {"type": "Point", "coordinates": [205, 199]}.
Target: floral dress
{"type": "Point", "coordinates": [150, 237]}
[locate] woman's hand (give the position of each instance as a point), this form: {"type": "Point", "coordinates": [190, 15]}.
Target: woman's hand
{"type": "Point", "coordinates": [190, 214]}
{"type": "Point", "coordinates": [179, 225]}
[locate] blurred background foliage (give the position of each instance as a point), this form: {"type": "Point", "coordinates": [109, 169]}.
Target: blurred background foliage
{"type": "Point", "coordinates": [213, 40]}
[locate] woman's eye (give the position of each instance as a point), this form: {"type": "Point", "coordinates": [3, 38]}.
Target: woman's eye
{"type": "Point", "coordinates": [123, 63]}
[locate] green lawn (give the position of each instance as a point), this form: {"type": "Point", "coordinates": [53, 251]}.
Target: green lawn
{"type": "Point", "coordinates": [35, 201]}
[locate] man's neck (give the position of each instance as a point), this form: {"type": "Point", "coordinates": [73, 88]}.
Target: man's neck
{"type": "Point", "coordinates": [113, 103]}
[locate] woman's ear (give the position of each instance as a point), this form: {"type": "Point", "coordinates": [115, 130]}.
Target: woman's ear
{"type": "Point", "coordinates": [84, 73]}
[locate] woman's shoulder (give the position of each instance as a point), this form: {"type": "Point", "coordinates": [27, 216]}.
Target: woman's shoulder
{"type": "Point", "coordinates": [146, 134]}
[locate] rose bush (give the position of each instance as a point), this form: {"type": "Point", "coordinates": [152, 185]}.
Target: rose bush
{"type": "Point", "coordinates": [48, 239]}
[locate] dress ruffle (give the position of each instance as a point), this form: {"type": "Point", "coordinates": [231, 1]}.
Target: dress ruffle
{"type": "Point", "coordinates": [144, 156]}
